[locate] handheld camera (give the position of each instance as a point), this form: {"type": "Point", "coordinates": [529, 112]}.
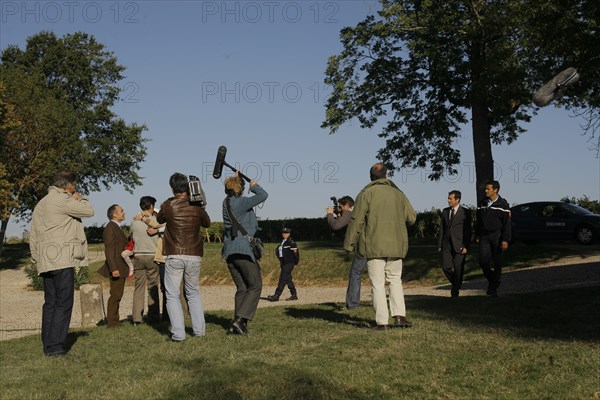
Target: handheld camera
{"type": "Point", "coordinates": [337, 210]}
{"type": "Point", "coordinates": [196, 193]}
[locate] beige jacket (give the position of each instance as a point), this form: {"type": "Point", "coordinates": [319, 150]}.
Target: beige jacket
{"type": "Point", "coordinates": [56, 238]}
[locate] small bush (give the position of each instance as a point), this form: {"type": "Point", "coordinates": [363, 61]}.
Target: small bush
{"type": "Point", "coordinates": [82, 276]}
{"type": "Point", "coordinates": [37, 282]}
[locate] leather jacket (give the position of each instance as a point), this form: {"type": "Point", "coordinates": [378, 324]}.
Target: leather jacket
{"type": "Point", "coordinates": [182, 233]}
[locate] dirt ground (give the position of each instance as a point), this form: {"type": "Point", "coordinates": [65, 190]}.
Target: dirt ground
{"type": "Point", "coordinates": [21, 307]}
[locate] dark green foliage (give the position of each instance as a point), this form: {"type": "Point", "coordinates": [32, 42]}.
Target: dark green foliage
{"type": "Point", "coordinates": [425, 69]}
{"type": "Point", "coordinates": [37, 282]}
{"type": "Point", "coordinates": [58, 94]}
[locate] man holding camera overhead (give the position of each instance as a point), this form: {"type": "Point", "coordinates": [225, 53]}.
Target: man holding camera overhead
{"type": "Point", "coordinates": [336, 222]}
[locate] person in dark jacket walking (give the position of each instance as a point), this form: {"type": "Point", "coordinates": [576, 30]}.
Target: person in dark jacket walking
{"type": "Point", "coordinates": [454, 240]}
{"type": "Point", "coordinates": [493, 234]}
{"type": "Point", "coordinates": [289, 256]}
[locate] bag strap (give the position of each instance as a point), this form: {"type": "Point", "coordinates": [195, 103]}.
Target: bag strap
{"type": "Point", "coordinates": [236, 225]}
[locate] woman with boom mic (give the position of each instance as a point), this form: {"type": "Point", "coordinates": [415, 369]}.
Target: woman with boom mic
{"type": "Point", "coordinates": [238, 216]}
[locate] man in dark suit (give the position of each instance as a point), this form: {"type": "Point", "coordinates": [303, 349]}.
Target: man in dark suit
{"type": "Point", "coordinates": [454, 240]}
{"type": "Point", "coordinates": [115, 266]}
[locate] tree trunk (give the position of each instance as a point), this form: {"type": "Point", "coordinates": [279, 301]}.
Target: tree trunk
{"type": "Point", "coordinates": [480, 122]}
{"type": "Point", "coordinates": [3, 227]}
{"type": "Point", "coordinates": [482, 146]}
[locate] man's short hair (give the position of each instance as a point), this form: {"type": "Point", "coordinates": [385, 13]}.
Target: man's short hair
{"type": "Point", "coordinates": [63, 178]}
{"type": "Point", "coordinates": [110, 213]}
{"type": "Point", "coordinates": [346, 200]}
{"type": "Point", "coordinates": [378, 171]}
{"type": "Point", "coordinates": [495, 184]}
{"type": "Point", "coordinates": [456, 193]}
{"type": "Point", "coordinates": [147, 202]}
{"type": "Point", "coordinates": [178, 183]}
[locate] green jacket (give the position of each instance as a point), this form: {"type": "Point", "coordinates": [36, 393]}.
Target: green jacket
{"type": "Point", "coordinates": [378, 222]}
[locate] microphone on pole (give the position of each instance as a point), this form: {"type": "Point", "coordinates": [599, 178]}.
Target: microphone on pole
{"type": "Point", "coordinates": [555, 87]}
{"type": "Point", "coordinates": [220, 162]}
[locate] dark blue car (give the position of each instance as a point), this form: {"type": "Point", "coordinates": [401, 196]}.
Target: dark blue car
{"type": "Point", "coordinates": [550, 220]}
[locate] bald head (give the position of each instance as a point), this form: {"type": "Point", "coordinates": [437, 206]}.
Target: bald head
{"type": "Point", "coordinates": [378, 171]}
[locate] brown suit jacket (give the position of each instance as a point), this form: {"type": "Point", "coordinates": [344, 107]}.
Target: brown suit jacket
{"type": "Point", "coordinates": [114, 243]}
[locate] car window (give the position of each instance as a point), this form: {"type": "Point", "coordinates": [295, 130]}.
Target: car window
{"type": "Point", "coordinates": [578, 210]}
{"type": "Point", "coordinates": [525, 210]}
{"type": "Point", "coordinates": [548, 211]}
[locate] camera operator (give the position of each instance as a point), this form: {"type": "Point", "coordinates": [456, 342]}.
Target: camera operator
{"type": "Point", "coordinates": [358, 264]}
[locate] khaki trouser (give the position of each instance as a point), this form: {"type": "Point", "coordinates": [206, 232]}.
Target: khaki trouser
{"type": "Point", "coordinates": [146, 277]}
{"type": "Point", "coordinates": [380, 271]}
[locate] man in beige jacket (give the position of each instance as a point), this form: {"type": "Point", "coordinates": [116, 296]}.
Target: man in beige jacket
{"type": "Point", "coordinates": [58, 245]}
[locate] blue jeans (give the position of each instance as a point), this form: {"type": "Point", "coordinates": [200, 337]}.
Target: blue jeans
{"type": "Point", "coordinates": [176, 268]}
{"type": "Point", "coordinates": [354, 282]}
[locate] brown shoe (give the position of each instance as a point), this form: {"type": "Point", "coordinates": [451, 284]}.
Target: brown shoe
{"type": "Point", "coordinates": [401, 322]}
{"type": "Point", "coordinates": [380, 327]}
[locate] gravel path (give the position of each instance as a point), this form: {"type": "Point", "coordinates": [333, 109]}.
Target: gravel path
{"type": "Point", "coordinates": [20, 307]}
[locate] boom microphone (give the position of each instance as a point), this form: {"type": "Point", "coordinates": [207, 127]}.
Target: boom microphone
{"type": "Point", "coordinates": [220, 162]}
{"type": "Point", "coordinates": [555, 87]}
{"type": "Point", "coordinates": [221, 153]}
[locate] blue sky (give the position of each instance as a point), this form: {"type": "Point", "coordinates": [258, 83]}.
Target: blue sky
{"type": "Point", "coordinates": [249, 75]}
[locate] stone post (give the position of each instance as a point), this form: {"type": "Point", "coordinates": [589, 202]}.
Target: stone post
{"type": "Point", "coordinates": [91, 304]}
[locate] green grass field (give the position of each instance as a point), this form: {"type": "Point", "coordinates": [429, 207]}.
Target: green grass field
{"type": "Point", "coordinates": [530, 346]}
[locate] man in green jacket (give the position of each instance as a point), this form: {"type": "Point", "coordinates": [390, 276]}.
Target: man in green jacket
{"type": "Point", "coordinates": [378, 228]}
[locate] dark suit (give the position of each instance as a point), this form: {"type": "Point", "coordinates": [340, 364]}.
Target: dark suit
{"type": "Point", "coordinates": [114, 242]}
{"type": "Point", "coordinates": [454, 235]}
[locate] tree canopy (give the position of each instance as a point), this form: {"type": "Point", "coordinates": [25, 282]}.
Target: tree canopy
{"type": "Point", "coordinates": [55, 114]}
{"type": "Point", "coordinates": [425, 68]}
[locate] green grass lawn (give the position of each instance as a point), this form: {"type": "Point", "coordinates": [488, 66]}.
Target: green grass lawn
{"type": "Point", "coordinates": [531, 346]}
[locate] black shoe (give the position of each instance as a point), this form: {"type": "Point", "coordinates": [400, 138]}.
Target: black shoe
{"type": "Point", "coordinates": [401, 322]}
{"type": "Point", "coordinates": [492, 291]}
{"type": "Point", "coordinates": [381, 327]}
{"type": "Point", "coordinates": [454, 293]}
{"type": "Point", "coordinates": [238, 327]}
{"type": "Point", "coordinates": [292, 297]}
{"type": "Point", "coordinates": [57, 354]}
{"type": "Point", "coordinates": [273, 297]}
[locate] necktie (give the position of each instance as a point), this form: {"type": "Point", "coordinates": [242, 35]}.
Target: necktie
{"type": "Point", "coordinates": [451, 214]}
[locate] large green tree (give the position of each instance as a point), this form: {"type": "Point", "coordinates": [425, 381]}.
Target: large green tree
{"type": "Point", "coordinates": [55, 114]}
{"type": "Point", "coordinates": [424, 69]}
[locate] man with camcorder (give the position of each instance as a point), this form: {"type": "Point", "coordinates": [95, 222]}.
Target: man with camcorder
{"type": "Point", "coordinates": [183, 247]}
{"type": "Point", "coordinates": [337, 221]}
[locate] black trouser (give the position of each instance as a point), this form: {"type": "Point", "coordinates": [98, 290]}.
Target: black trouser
{"type": "Point", "coordinates": [490, 252]}
{"type": "Point", "coordinates": [248, 281]}
{"type": "Point", "coordinates": [453, 266]}
{"type": "Point", "coordinates": [59, 288]}
{"type": "Point", "coordinates": [285, 278]}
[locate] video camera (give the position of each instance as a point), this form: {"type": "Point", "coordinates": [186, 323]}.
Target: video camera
{"type": "Point", "coordinates": [337, 210]}
{"type": "Point", "coordinates": [196, 193]}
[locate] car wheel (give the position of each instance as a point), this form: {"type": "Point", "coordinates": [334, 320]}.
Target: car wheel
{"type": "Point", "coordinates": [584, 235]}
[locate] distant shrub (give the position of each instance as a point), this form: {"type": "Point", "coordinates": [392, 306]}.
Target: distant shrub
{"type": "Point", "coordinates": [82, 276]}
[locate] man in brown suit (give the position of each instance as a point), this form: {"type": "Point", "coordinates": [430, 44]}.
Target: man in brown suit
{"type": "Point", "coordinates": [115, 267]}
